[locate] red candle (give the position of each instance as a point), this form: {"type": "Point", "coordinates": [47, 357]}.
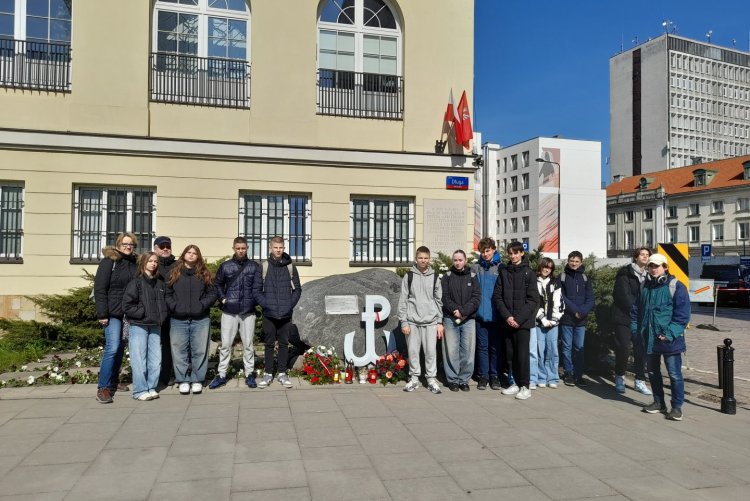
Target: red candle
{"type": "Point", "coordinates": [373, 376]}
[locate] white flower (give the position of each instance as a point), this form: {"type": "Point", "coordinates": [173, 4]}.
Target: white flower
{"type": "Point", "coordinates": [59, 377]}
{"type": "Point", "coordinates": [30, 380]}
{"type": "Point", "coordinates": [24, 367]}
{"type": "Point", "coordinates": [78, 363]}
{"type": "Point", "coordinates": [329, 353]}
{"type": "Point", "coordinates": [55, 369]}
{"type": "Point", "coordinates": [101, 348]}
{"type": "Point", "coordinates": [310, 350]}
{"type": "Point", "coordinates": [2, 382]}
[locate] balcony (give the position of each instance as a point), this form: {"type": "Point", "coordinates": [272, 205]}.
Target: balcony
{"type": "Point", "coordinates": [200, 81]}
{"type": "Point", "coordinates": [361, 95]}
{"type": "Point", "coordinates": [39, 66]}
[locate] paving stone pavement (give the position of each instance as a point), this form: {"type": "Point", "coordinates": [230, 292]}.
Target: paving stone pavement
{"type": "Point", "coordinates": [366, 442]}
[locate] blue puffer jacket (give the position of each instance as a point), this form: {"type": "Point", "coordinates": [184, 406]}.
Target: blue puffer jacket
{"type": "Point", "coordinates": [487, 273]}
{"type": "Point", "coordinates": [239, 286]}
{"type": "Point", "coordinates": [577, 295]}
{"type": "Point", "coordinates": [656, 313]}
{"type": "Point", "coordinates": [279, 298]}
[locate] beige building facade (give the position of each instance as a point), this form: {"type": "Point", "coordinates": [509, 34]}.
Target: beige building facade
{"type": "Point", "coordinates": [205, 119]}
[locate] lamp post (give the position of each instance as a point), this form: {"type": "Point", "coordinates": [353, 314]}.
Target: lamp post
{"type": "Point", "coordinates": [559, 208]}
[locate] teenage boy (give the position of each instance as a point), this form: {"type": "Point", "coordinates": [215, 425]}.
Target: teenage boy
{"type": "Point", "coordinates": [578, 297]}
{"type": "Point", "coordinates": [163, 249]}
{"type": "Point", "coordinates": [487, 268]}
{"type": "Point", "coordinates": [420, 312]}
{"type": "Point", "coordinates": [240, 288]}
{"type": "Point", "coordinates": [516, 298]}
{"type": "Point", "coordinates": [659, 317]}
{"type": "Point", "coordinates": [281, 292]}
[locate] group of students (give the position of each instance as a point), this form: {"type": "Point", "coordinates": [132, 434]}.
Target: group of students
{"type": "Point", "coordinates": [501, 320]}
{"type": "Point", "coordinates": [160, 306]}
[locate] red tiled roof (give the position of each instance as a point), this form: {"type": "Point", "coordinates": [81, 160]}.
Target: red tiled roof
{"type": "Point", "coordinates": [729, 173]}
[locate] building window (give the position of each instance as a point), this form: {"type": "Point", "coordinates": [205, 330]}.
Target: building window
{"type": "Point", "coordinates": [611, 240]}
{"type": "Point", "coordinates": [514, 225]}
{"type": "Point", "coordinates": [672, 212]}
{"type": "Point", "coordinates": [35, 44]}
{"type": "Point", "coordinates": [648, 214]}
{"type": "Point", "coordinates": [100, 213]}
{"type": "Point", "coordinates": [359, 60]}
{"type": "Point", "coordinates": [11, 222]}
{"type": "Point", "coordinates": [525, 181]}
{"type": "Point", "coordinates": [201, 54]}
{"type": "Point", "coordinates": [717, 207]}
{"type": "Point", "coordinates": [514, 162]}
{"type": "Point", "coordinates": [525, 158]}
{"type": "Point", "coordinates": [505, 206]}
{"type": "Point", "coordinates": [382, 231]}
{"type": "Point", "coordinates": [743, 231]}
{"type": "Point", "coordinates": [648, 237]}
{"type": "Point", "coordinates": [694, 233]}
{"type": "Point", "coordinates": [694, 210]}
{"type": "Point", "coordinates": [505, 164]}
{"type": "Point", "coordinates": [672, 234]}
{"type": "Point", "coordinates": [610, 218]}
{"type": "Point", "coordinates": [525, 202]}
{"type": "Point", "coordinates": [743, 204]}
{"type": "Point", "coordinates": [505, 185]}
{"type": "Point", "coordinates": [514, 204]}
{"type": "Point", "coordinates": [525, 223]}
{"type": "Point", "coordinates": [498, 167]}
{"type": "Point", "coordinates": [514, 183]}
{"type": "Point", "coordinates": [628, 216]}
{"type": "Point", "coordinates": [717, 232]}
{"type": "Point", "coordinates": [263, 216]}
{"type": "Point", "coordinates": [629, 240]}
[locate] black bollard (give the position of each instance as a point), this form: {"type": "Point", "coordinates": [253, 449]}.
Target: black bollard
{"type": "Point", "coordinates": [720, 364]}
{"type": "Point", "coordinates": [728, 403]}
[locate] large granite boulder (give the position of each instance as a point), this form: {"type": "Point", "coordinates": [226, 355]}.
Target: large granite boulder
{"type": "Point", "coordinates": [316, 327]}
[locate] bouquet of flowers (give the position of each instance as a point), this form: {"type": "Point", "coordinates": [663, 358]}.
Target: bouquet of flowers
{"type": "Point", "coordinates": [320, 364]}
{"type": "Point", "coordinates": [392, 367]}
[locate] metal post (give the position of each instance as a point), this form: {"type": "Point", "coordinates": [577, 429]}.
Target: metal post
{"type": "Point", "coordinates": [728, 403]}
{"type": "Point", "coordinates": [720, 364]}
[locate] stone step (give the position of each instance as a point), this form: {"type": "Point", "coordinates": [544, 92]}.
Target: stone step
{"type": "Point", "coordinates": [21, 376]}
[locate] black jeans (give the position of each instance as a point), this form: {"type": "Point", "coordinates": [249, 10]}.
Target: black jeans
{"type": "Point", "coordinates": [167, 369]}
{"type": "Point", "coordinates": [276, 330]}
{"type": "Point", "coordinates": [517, 349]}
{"type": "Point", "coordinates": [623, 338]}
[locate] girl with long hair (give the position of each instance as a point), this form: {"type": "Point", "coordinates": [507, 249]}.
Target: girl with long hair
{"type": "Point", "coordinates": [547, 320]}
{"type": "Point", "coordinates": [190, 294]}
{"type": "Point", "coordinates": [146, 309]}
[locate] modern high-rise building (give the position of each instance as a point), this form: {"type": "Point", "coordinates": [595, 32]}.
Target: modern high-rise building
{"type": "Point", "coordinates": [557, 203]}
{"type": "Point", "coordinates": [676, 102]}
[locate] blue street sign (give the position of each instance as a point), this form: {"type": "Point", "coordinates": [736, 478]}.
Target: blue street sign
{"type": "Point", "coordinates": [526, 246]}
{"type": "Point", "coordinates": [456, 183]}
{"type": "Point", "coordinates": [706, 250]}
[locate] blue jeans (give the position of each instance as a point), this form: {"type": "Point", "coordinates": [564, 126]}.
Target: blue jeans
{"type": "Point", "coordinates": [114, 349]}
{"type": "Point", "coordinates": [549, 360]}
{"type": "Point", "coordinates": [189, 340]}
{"type": "Point", "coordinates": [572, 346]}
{"type": "Point", "coordinates": [533, 357]}
{"type": "Point", "coordinates": [487, 348]}
{"type": "Point", "coordinates": [674, 369]}
{"type": "Point", "coordinates": [144, 342]}
{"type": "Point", "coordinates": [459, 343]}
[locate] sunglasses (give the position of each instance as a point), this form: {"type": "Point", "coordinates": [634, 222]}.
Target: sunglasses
{"type": "Point", "coordinates": [164, 246]}
{"type": "Point", "coordinates": [127, 245]}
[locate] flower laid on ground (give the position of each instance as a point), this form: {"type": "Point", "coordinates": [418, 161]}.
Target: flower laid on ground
{"type": "Point", "coordinates": [78, 363]}
{"type": "Point", "coordinates": [24, 367]}
{"type": "Point", "coordinates": [320, 364]}
{"type": "Point", "coordinates": [392, 368]}
{"type": "Point", "coordinates": [30, 380]}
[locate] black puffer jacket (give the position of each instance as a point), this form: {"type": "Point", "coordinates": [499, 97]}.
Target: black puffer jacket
{"type": "Point", "coordinates": [240, 284]}
{"type": "Point", "coordinates": [461, 292]}
{"type": "Point", "coordinates": [165, 267]}
{"type": "Point", "coordinates": [189, 298]}
{"type": "Point", "coordinates": [115, 271]}
{"type": "Point", "coordinates": [279, 298]}
{"type": "Point", "coordinates": [144, 301]}
{"type": "Point", "coordinates": [516, 294]}
{"type": "Point", "coordinates": [625, 294]}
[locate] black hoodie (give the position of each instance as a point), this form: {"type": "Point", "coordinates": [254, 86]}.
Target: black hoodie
{"type": "Point", "coordinates": [112, 276]}
{"type": "Point", "coordinates": [144, 302]}
{"type": "Point", "coordinates": [189, 298]}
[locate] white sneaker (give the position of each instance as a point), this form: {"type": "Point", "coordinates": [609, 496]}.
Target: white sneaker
{"type": "Point", "coordinates": [154, 394]}
{"type": "Point", "coordinates": [412, 385]}
{"type": "Point", "coordinates": [640, 387]}
{"type": "Point", "coordinates": [145, 396]}
{"type": "Point", "coordinates": [510, 390]}
{"type": "Point", "coordinates": [532, 386]}
{"type": "Point", "coordinates": [620, 384]}
{"type": "Point", "coordinates": [265, 380]}
{"type": "Point", "coordinates": [197, 388]}
{"type": "Point", "coordinates": [434, 387]}
{"type": "Point", "coordinates": [284, 381]}
{"type": "Point", "coordinates": [542, 385]}
{"type": "Point", "coordinates": [184, 388]}
{"type": "Point", "coordinates": [552, 385]}
{"type": "Point", "coordinates": [523, 393]}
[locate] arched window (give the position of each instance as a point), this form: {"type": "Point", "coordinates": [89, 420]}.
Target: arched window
{"type": "Point", "coordinates": [359, 59]}
{"type": "Point", "coordinates": [201, 52]}
{"type": "Point", "coordinates": [35, 44]}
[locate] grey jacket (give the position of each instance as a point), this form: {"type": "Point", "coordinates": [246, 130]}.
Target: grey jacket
{"type": "Point", "coordinates": [422, 305]}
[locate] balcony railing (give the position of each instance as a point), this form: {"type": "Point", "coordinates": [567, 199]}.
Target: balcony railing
{"type": "Point", "coordinates": [34, 65]}
{"type": "Point", "coordinates": [364, 95]}
{"type": "Point", "coordinates": [201, 81]}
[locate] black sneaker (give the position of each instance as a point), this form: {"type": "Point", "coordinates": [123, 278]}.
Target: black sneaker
{"type": "Point", "coordinates": [250, 381]}
{"type": "Point", "coordinates": [569, 380]}
{"type": "Point", "coordinates": [453, 386]}
{"type": "Point", "coordinates": [581, 383]}
{"type": "Point", "coordinates": [464, 387]}
{"type": "Point", "coordinates": [217, 382]}
{"type": "Point", "coordinates": [495, 384]}
{"type": "Point", "coordinates": [657, 407]}
{"type": "Point", "coordinates": [481, 384]}
{"type": "Point", "coordinates": [675, 414]}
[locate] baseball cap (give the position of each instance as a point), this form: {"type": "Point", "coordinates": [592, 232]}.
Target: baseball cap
{"type": "Point", "coordinates": [657, 259]}
{"type": "Point", "coordinates": [159, 241]}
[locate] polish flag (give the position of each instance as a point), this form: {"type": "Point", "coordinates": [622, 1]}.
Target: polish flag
{"type": "Point", "coordinates": [464, 124]}
{"type": "Point", "coordinates": [451, 117]}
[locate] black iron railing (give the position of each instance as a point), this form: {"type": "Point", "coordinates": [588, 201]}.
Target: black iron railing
{"type": "Point", "coordinates": [34, 65]}
{"type": "Point", "coordinates": [202, 81]}
{"type": "Point", "coordinates": [366, 95]}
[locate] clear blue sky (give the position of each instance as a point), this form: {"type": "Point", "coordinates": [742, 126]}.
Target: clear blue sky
{"type": "Point", "coordinates": [541, 67]}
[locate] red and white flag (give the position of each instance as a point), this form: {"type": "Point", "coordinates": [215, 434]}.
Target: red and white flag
{"type": "Point", "coordinates": [453, 119]}
{"type": "Point", "coordinates": [465, 135]}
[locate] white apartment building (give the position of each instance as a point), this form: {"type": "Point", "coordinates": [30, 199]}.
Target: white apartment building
{"type": "Point", "coordinates": [676, 102]}
{"type": "Point", "coordinates": [558, 203]}
{"type": "Point", "coordinates": [699, 204]}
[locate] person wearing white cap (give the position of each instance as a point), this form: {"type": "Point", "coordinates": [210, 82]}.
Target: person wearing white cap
{"type": "Point", "coordinates": [659, 318]}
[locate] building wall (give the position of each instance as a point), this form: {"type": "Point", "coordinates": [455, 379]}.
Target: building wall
{"type": "Point", "coordinates": [654, 106]}
{"type": "Point", "coordinates": [621, 114]}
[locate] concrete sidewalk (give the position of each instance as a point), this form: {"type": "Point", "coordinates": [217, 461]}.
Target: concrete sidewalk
{"type": "Point", "coordinates": [366, 442]}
